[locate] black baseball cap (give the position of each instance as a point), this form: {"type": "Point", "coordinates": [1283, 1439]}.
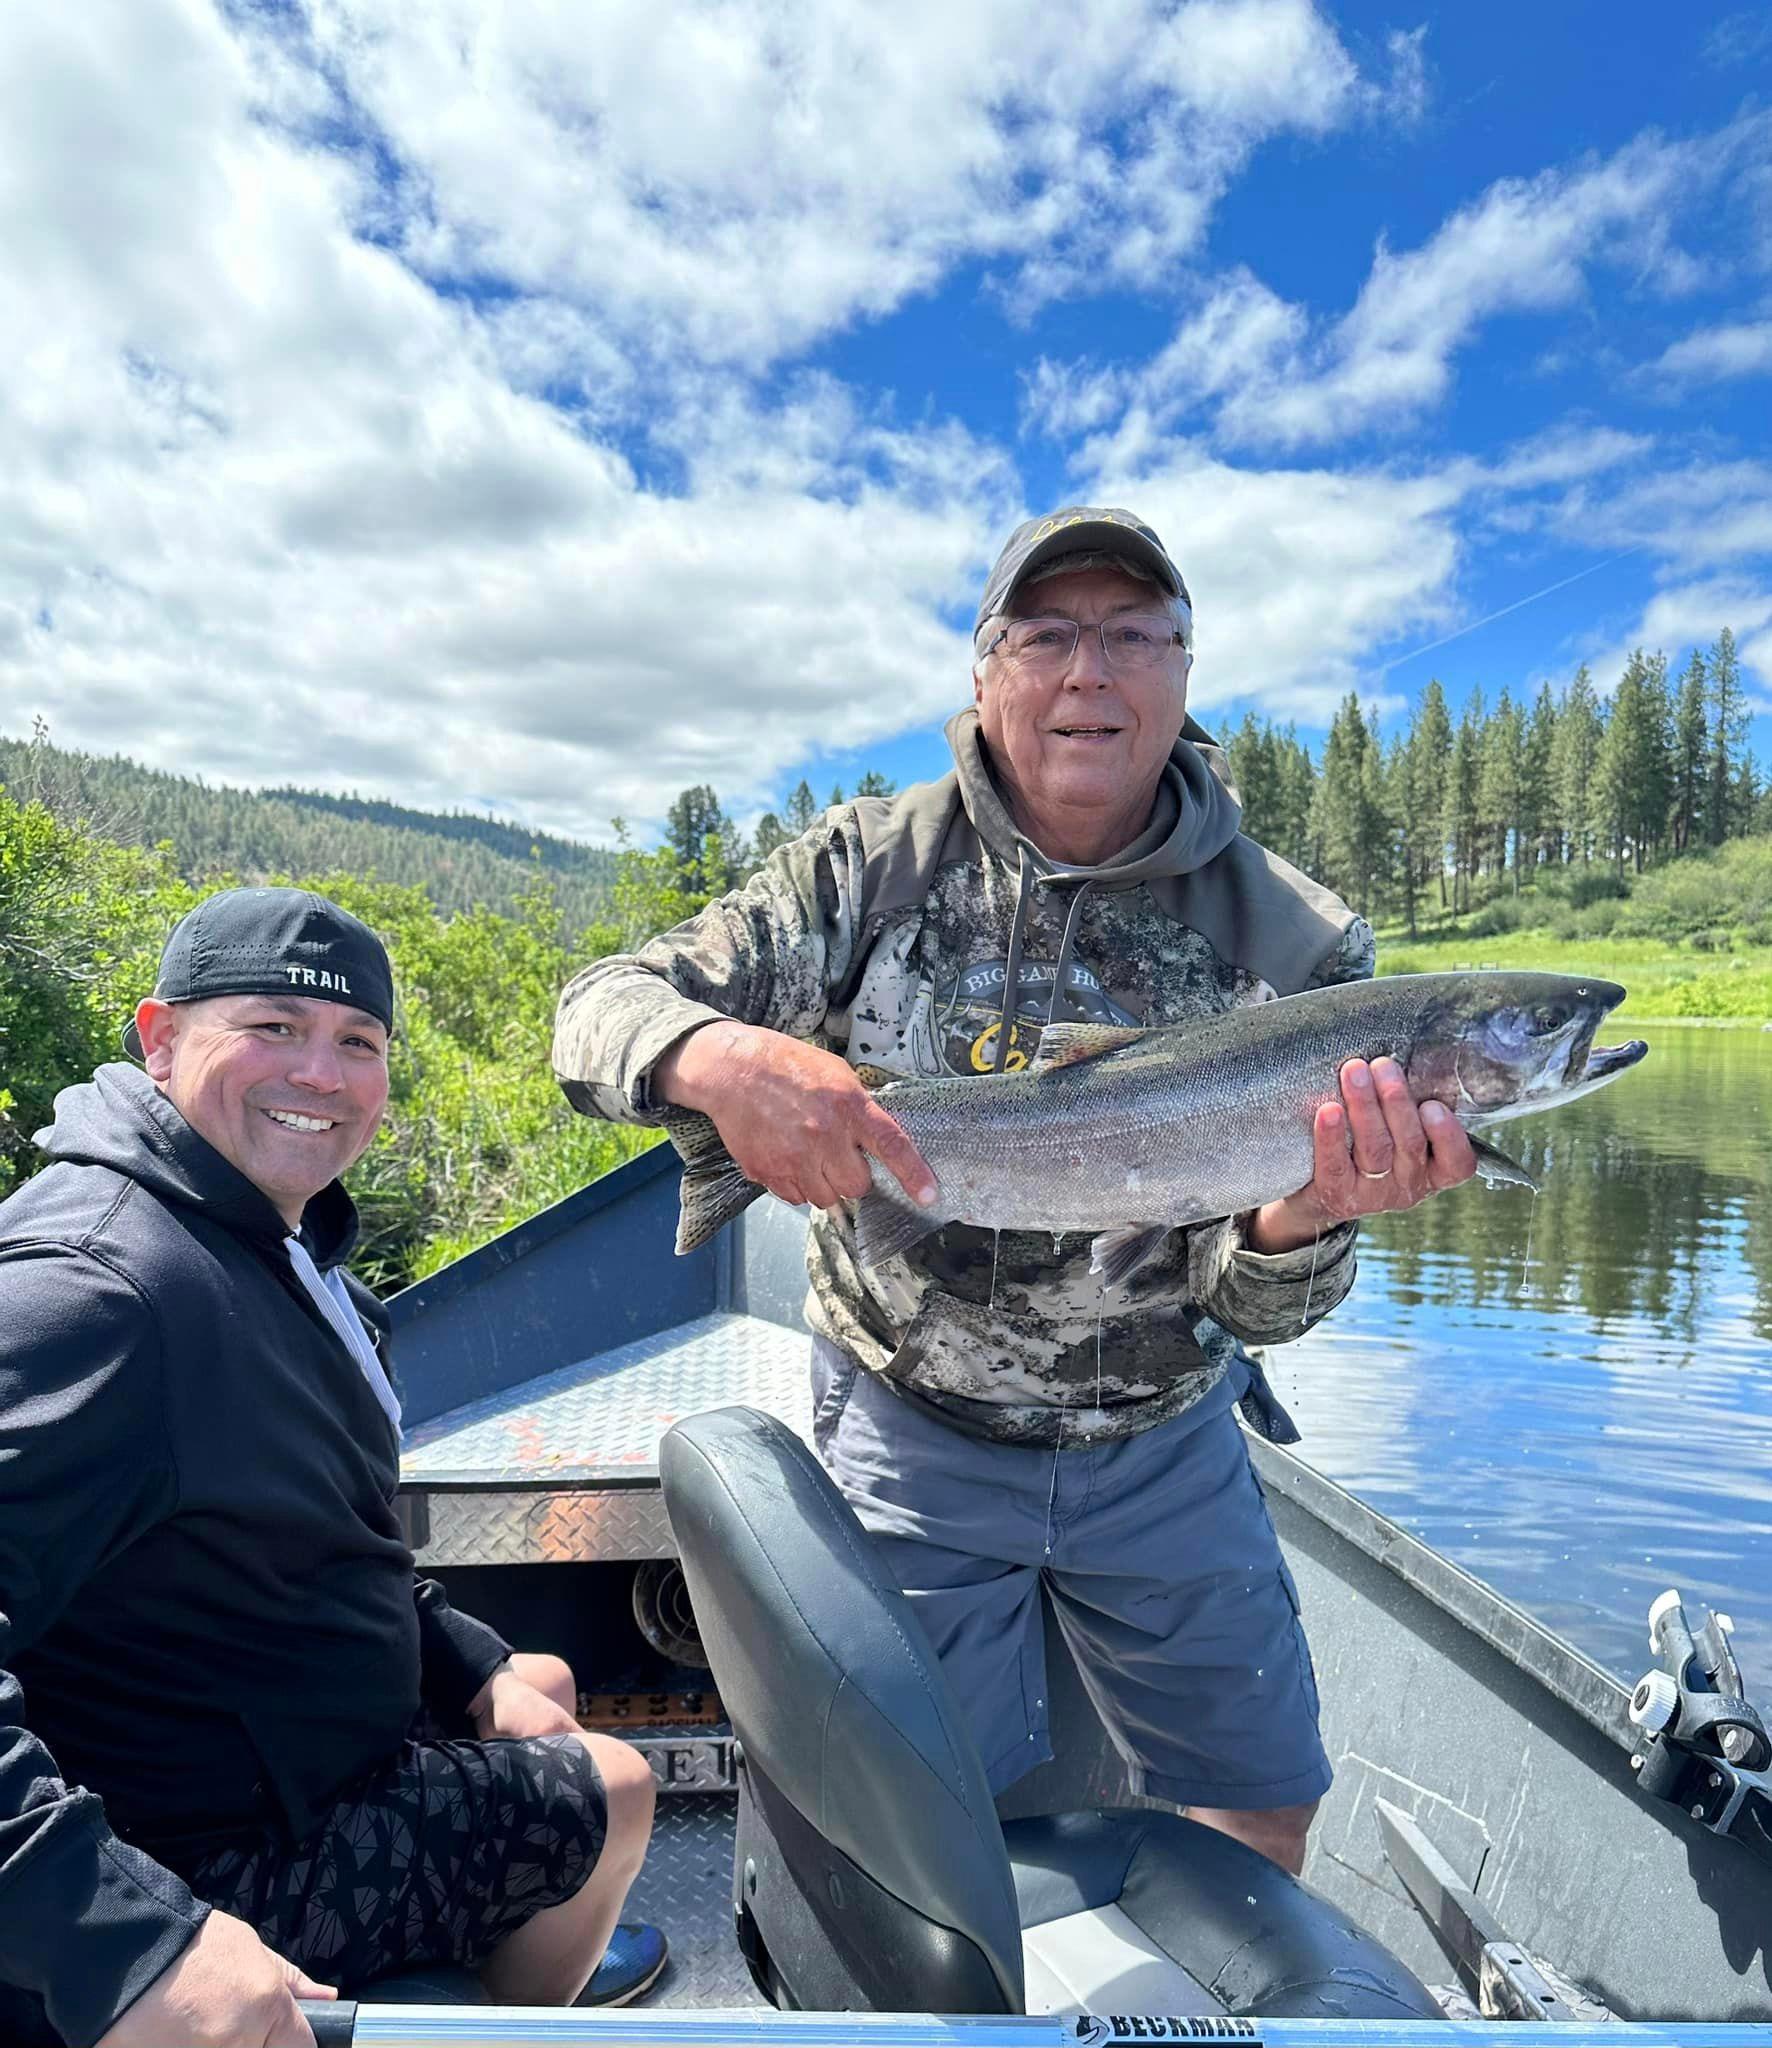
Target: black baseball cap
{"type": "Point", "coordinates": [273, 942]}
{"type": "Point", "coordinates": [1077, 530]}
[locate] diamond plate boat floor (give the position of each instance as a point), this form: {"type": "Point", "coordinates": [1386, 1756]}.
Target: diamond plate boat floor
{"type": "Point", "coordinates": [564, 1467]}
{"type": "Point", "coordinates": [685, 1888]}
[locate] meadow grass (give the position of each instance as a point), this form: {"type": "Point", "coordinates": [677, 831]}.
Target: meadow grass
{"type": "Point", "coordinates": [1667, 982]}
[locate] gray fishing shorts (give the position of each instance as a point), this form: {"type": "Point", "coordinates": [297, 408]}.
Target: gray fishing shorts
{"type": "Point", "coordinates": [1163, 1569]}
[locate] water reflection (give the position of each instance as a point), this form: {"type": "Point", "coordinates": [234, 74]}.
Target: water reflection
{"type": "Point", "coordinates": [1589, 1421]}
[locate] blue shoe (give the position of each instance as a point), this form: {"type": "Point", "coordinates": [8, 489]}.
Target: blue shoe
{"type": "Point", "coordinates": [632, 1964]}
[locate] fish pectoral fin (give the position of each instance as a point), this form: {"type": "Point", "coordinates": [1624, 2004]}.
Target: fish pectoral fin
{"type": "Point", "coordinates": [876, 1077]}
{"type": "Point", "coordinates": [1118, 1253]}
{"type": "Point", "coordinates": [714, 1189]}
{"type": "Point", "coordinates": [1495, 1169]}
{"type": "Point", "coordinates": [884, 1227]}
{"type": "Point", "coordinates": [1063, 1045]}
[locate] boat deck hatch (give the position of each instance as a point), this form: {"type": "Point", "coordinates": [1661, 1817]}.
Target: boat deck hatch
{"type": "Point", "coordinates": [564, 1468]}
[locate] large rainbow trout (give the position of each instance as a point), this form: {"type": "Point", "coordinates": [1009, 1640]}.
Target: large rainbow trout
{"type": "Point", "coordinates": [1127, 1133]}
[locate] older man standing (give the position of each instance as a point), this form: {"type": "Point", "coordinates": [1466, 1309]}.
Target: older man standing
{"type": "Point", "coordinates": [993, 1415]}
{"type": "Point", "coordinates": [222, 1792]}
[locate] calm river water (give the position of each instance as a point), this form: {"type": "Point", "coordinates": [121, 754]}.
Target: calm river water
{"type": "Point", "coordinates": [1572, 1394]}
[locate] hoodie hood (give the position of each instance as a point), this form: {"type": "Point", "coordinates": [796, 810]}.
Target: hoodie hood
{"type": "Point", "coordinates": [120, 1120]}
{"type": "Point", "coordinates": [1194, 816]}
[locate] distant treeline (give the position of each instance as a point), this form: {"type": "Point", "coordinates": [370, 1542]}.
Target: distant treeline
{"type": "Point", "coordinates": [510, 842]}
{"type": "Point", "coordinates": [458, 859]}
{"type": "Point", "coordinates": [1405, 826]}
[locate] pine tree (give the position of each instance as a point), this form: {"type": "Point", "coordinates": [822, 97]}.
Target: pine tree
{"type": "Point", "coordinates": [1612, 766]}
{"type": "Point", "coordinates": [1728, 741]}
{"type": "Point", "coordinates": [802, 809]}
{"type": "Point", "coordinates": [873, 783]}
{"type": "Point", "coordinates": [1653, 764]}
{"type": "Point", "coordinates": [695, 828]}
{"type": "Point", "coordinates": [1458, 816]}
{"type": "Point", "coordinates": [1540, 835]}
{"type": "Point", "coordinates": [1255, 771]}
{"type": "Point", "coordinates": [1503, 753]}
{"type": "Point", "coordinates": [1580, 725]}
{"type": "Point", "coordinates": [1690, 753]}
{"type": "Point", "coordinates": [1430, 750]}
{"type": "Point", "coordinates": [1353, 824]}
{"type": "Point", "coordinates": [770, 834]}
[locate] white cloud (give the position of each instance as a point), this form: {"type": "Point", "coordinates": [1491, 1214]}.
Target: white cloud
{"type": "Point", "coordinates": [1695, 517]}
{"type": "Point", "coordinates": [273, 510]}
{"type": "Point", "coordinates": [317, 325]}
{"type": "Point", "coordinates": [1714, 353]}
{"type": "Point", "coordinates": [1266, 376]}
{"type": "Point", "coordinates": [730, 184]}
{"type": "Point", "coordinates": [1296, 574]}
{"type": "Point", "coordinates": [1690, 614]}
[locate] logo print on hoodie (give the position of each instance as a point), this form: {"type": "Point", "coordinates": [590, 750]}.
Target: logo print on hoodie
{"type": "Point", "coordinates": [969, 1011]}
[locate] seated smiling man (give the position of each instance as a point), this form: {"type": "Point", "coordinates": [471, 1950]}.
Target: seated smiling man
{"type": "Point", "coordinates": [245, 1753]}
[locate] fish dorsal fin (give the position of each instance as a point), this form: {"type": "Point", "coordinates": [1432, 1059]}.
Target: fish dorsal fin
{"type": "Point", "coordinates": [876, 1077]}
{"type": "Point", "coordinates": [1064, 1045]}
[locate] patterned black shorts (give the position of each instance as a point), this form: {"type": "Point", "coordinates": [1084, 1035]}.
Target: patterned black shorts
{"type": "Point", "coordinates": [436, 1857]}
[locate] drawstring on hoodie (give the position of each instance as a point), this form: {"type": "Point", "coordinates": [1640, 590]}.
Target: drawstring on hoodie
{"type": "Point", "coordinates": [1026, 881]}
{"type": "Point", "coordinates": [1061, 985]}
{"type": "Point", "coordinates": [1024, 889]}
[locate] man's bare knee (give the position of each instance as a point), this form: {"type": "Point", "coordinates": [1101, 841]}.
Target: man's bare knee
{"type": "Point", "coordinates": [548, 1674]}
{"type": "Point", "coordinates": [630, 1793]}
{"type": "Point", "coordinates": [1281, 1833]}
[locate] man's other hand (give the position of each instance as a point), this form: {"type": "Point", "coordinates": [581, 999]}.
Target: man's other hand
{"type": "Point", "coordinates": [795, 1118]}
{"type": "Point", "coordinates": [225, 1990]}
{"type": "Point", "coordinates": [509, 1709]}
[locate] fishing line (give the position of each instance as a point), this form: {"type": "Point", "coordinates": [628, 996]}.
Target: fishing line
{"type": "Point", "coordinates": [1310, 1283]}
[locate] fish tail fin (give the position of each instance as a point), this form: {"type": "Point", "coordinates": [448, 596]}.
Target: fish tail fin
{"type": "Point", "coordinates": [714, 1189]}
{"type": "Point", "coordinates": [886, 1225]}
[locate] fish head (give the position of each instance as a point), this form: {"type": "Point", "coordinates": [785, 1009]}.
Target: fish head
{"type": "Point", "coordinates": [1496, 1046]}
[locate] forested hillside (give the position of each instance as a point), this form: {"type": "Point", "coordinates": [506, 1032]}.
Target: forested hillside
{"type": "Point", "coordinates": [460, 860]}
{"type": "Point", "coordinates": [1577, 790]}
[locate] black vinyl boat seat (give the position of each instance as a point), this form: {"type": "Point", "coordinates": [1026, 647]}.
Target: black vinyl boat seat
{"type": "Point", "coordinates": [871, 1870]}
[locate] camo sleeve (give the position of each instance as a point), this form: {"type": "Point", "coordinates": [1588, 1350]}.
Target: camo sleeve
{"type": "Point", "coordinates": [767, 954]}
{"type": "Point", "coordinates": [1268, 1298]}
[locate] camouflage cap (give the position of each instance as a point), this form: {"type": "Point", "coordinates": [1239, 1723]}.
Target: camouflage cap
{"type": "Point", "coordinates": [1078, 529]}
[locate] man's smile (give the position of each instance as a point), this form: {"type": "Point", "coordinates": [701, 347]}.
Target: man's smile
{"type": "Point", "coordinates": [297, 1120]}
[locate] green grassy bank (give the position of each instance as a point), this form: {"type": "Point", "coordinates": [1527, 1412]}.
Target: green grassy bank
{"type": "Point", "coordinates": [1666, 982]}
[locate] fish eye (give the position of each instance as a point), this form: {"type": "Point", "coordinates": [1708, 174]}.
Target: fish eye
{"type": "Point", "coordinates": [1549, 1017]}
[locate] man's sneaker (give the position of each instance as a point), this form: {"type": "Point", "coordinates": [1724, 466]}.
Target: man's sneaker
{"type": "Point", "coordinates": [631, 1964]}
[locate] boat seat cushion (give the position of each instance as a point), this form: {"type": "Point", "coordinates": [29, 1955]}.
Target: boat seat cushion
{"type": "Point", "coordinates": [1247, 1932]}
{"type": "Point", "coordinates": [830, 1682]}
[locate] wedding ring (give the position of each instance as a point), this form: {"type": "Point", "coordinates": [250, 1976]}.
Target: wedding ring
{"type": "Point", "coordinates": [1364, 1175]}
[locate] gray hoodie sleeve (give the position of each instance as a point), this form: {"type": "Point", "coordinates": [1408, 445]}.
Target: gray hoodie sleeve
{"type": "Point", "coordinates": [767, 954]}
{"type": "Point", "coordinates": [86, 1921]}
{"type": "Point", "coordinates": [1267, 1298]}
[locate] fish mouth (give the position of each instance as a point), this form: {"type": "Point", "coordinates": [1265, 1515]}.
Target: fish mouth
{"type": "Point", "coordinates": [1603, 1061]}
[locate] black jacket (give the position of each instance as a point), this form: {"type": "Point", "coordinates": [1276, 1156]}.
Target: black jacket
{"type": "Point", "coordinates": [209, 1621]}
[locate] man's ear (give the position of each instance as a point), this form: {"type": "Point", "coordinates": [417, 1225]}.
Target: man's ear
{"type": "Point", "coordinates": [978, 686]}
{"type": "Point", "coordinates": [156, 1025]}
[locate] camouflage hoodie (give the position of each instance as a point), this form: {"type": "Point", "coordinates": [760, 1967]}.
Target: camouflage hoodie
{"type": "Point", "coordinates": [893, 932]}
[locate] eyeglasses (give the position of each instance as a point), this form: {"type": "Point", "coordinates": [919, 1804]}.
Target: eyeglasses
{"type": "Point", "coordinates": [1129, 640]}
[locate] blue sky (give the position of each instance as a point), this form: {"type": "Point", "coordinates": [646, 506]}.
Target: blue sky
{"type": "Point", "coordinates": [451, 404]}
